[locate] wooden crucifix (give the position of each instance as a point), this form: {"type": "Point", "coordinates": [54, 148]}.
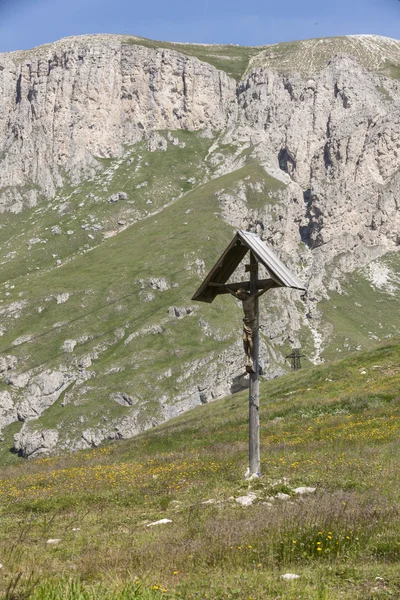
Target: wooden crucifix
{"type": "Point", "coordinates": [295, 358]}
{"type": "Point", "coordinates": [248, 292]}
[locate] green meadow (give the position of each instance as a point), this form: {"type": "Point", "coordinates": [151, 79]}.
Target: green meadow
{"type": "Point", "coordinates": [334, 428]}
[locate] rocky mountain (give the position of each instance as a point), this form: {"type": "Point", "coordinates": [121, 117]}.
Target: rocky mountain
{"type": "Point", "coordinates": [125, 167]}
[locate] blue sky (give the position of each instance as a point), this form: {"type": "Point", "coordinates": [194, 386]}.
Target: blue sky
{"type": "Point", "coordinates": [28, 23]}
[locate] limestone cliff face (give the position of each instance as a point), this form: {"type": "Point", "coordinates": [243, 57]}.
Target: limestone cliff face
{"type": "Point", "coordinates": [337, 137]}
{"type": "Point", "coordinates": [67, 103]}
{"type": "Point", "coordinates": [328, 126]}
{"type": "Point", "coordinates": [335, 134]}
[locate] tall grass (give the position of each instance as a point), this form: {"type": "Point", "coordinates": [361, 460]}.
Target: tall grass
{"type": "Point", "coordinates": [74, 589]}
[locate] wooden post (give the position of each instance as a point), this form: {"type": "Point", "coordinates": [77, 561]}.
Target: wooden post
{"type": "Point", "coordinates": [254, 388]}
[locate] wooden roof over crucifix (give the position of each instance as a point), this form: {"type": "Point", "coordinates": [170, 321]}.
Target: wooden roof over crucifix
{"type": "Point", "coordinates": [242, 243]}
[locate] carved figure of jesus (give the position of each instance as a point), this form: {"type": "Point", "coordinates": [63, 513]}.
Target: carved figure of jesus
{"type": "Point", "coordinates": [248, 300]}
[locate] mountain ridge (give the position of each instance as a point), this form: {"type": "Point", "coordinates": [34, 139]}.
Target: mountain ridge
{"type": "Point", "coordinates": [125, 169]}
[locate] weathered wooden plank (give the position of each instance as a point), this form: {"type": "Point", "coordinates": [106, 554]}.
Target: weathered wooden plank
{"type": "Point", "coordinates": [265, 256]}
{"type": "Point", "coordinates": [262, 284]}
{"type": "Point", "coordinates": [222, 270]}
{"type": "Point", "coordinates": [249, 268]}
{"type": "Point", "coordinates": [242, 242]}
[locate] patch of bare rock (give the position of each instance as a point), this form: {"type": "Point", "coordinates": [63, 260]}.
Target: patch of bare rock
{"type": "Point", "coordinates": [260, 496]}
{"type": "Point", "coordinates": [117, 197]}
{"type": "Point", "coordinates": [160, 522]}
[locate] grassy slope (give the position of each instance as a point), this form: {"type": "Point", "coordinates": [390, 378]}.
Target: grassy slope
{"type": "Point", "coordinates": [309, 56]}
{"type": "Point", "coordinates": [102, 277]}
{"type": "Point", "coordinates": [106, 303]}
{"type": "Point", "coordinates": [232, 59]}
{"type": "Point", "coordinates": [333, 427]}
{"type": "Point", "coordinates": [304, 56]}
{"type": "Point", "coordinates": [363, 313]}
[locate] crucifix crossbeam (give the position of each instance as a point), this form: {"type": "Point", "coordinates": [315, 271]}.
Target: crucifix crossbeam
{"type": "Point", "coordinates": [261, 284]}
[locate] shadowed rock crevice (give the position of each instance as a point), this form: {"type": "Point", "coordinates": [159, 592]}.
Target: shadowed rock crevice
{"type": "Point", "coordinates": [239, 383]}
{"type": "Point", "coordinates": [32, 95]}
{"type": "Point", "coordinates": [289, 88]}
{"type": "Point", "coordinates": [327, 156]}
{"type": "Point", "coordinates": [286, 161]}
{"type": "Point", "coordinates": [338, 92]}
{"type": "Point", "coordinates": [310, 234]}
{"type": "Point", "coordinates": [18, 91]}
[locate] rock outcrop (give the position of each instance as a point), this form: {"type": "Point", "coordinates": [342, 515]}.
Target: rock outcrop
{"type": "Point", "coordinates": [42, 392]}
{"type": "Point", "coordinates": [8, 411]}
{"type": "Point", "coordinates": [31, 443]}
